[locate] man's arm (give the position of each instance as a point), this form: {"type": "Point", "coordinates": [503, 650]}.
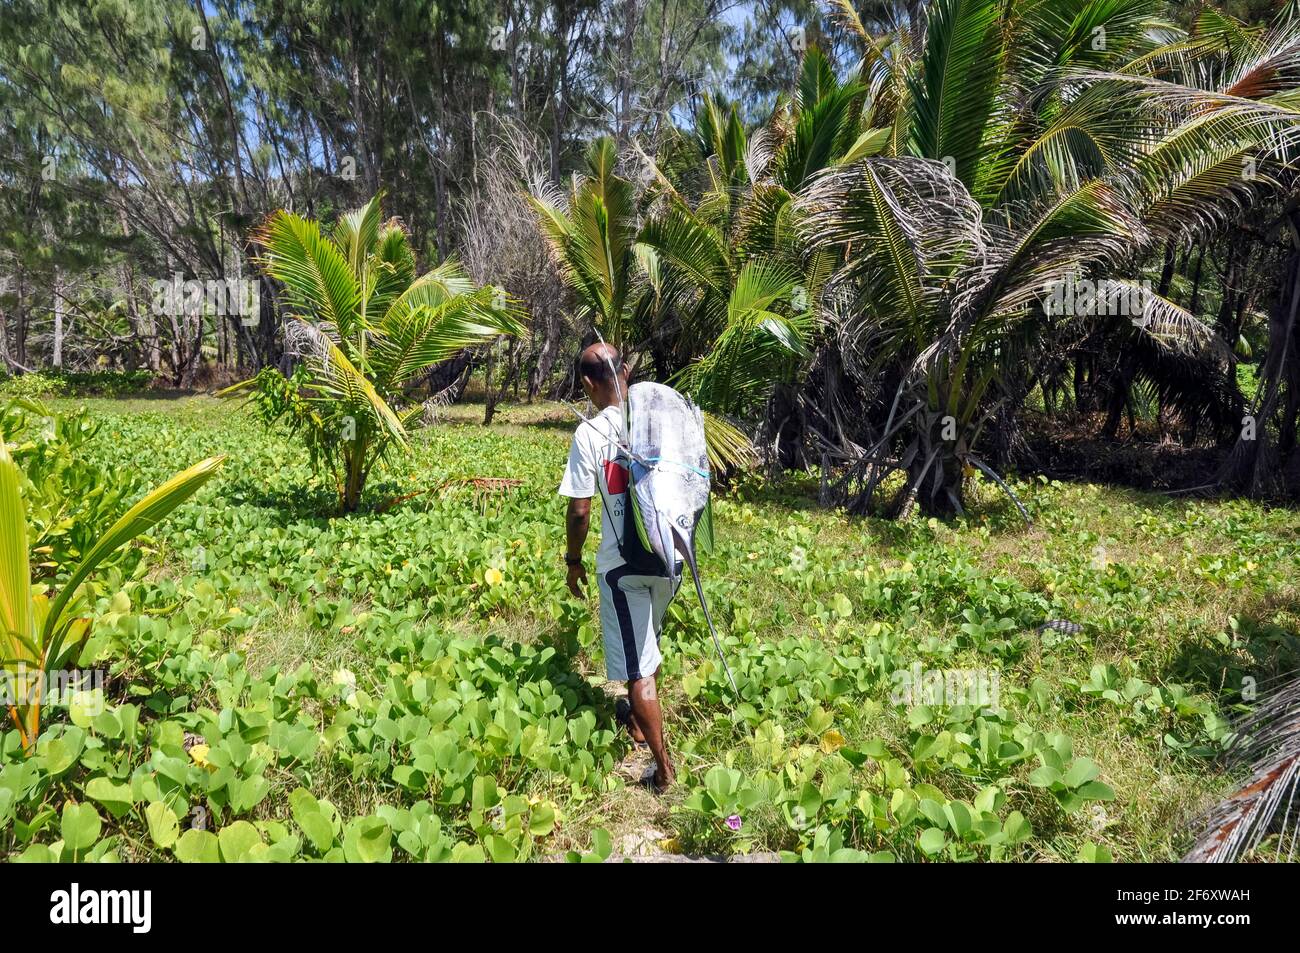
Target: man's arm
{"type": "Point", "coordinates": [577, 522]}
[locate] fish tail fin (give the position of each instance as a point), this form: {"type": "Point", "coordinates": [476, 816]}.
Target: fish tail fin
{"type": "Point", "coordinates": [688, 553]}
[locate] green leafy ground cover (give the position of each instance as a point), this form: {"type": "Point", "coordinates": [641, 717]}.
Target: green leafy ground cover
{"type": "Point", "coordinates": [416, 684]}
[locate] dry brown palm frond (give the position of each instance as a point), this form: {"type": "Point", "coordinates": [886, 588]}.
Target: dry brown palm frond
{"type": "Point", "coordinates": [1269, 741]}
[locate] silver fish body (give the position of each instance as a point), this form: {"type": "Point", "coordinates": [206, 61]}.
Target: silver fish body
{"type": "Point", "coordinates": [670, 468]}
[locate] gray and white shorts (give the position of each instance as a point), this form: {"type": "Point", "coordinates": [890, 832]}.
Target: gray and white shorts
{"type": "Point", "coordinates": [631, 615]}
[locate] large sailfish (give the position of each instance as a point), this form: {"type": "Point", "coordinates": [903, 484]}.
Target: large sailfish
{"type": "Point", "coordinates": [669, 482]}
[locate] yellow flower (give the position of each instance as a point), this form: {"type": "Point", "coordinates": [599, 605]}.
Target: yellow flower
{"type": "Point", "coordinates": [494, 576]}
{"type": "Point", "coordinates": [200, 755]}
{"type": "Point", "coordinates": [832, 741]}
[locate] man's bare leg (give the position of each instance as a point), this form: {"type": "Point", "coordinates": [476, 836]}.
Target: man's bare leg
{"type": "Point", "coordinates": [647, 716]}
{"type": "Point", "coordinates": [633, 726]}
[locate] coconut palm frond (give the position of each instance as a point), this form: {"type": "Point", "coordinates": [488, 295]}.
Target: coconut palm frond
{"type": "Point", "coordinates": [1091, 136]}
{"type": "Point", "coordinates": [955, 92]}
{"type": "Point", "coordinates": [356, 233]}
{"type": "Point", "coordinates": [903, 227]}
{"type": "Point", "coordinates": [683, 241]}
{"type": "Point", "coordinates": [1067, 234]}
{"type": "Point", "coordinates": [411, 339]}
{"type": "Point", "coordinates": [394, 266]}
{"type": "Point", "coordinates": [315, 274]}
{"type": "Point", "coordinates": [592, 239]}
{"type": "Point", "coordinates": [1170, 327]}
{"type": "Point", "coordinates": [338, 377]}
{"type": "Point", "coordinates": [727, 445]}
{"type": "Point", "coordinates": [1051, 36]}
{"type": "Point", "coordinates": [762, 338]}
{"type": "Point", "coordinates": [842, 12]}
{"type": "Point", "coordinates": [825, 125]}
{"type": "Point", "coordinates": [1268, 741]}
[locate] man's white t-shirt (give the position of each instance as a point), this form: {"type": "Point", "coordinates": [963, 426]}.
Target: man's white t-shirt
{"type": "Point", "coordinates": [597, 469]}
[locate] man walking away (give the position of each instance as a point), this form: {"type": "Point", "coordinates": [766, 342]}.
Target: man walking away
{"type": "Point", "coordinates": [631, 606]}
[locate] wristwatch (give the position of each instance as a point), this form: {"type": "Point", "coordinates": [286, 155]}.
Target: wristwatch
{"type": "Point", "coordinates": [572, 560]}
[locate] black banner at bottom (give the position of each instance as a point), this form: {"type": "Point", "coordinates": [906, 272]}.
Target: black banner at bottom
{"type": "Point", "coordinates": [140, 904]}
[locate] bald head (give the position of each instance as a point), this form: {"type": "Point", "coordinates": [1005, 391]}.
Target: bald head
{"type": "Point", "coordinates": [599, 362]}
{"type": "Point", "coordinates": [597, 366]}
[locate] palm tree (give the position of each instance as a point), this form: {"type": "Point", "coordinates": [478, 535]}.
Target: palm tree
{"type": "Point", "coordinates": [725, 298]}
{"type": "Point", "coordinates": [365, 327]}
{"type": "Point", "coordinates": [1025, 148]}
{"type": "Point", "coordinates": [40, 632]}
{"type": "Point", "coordinates": [616, 273]}
{"type": "Point", "coordinates": [592, 234]}
{"type": "Point", "coordinates": [734, 279]}
{"type": "Point", "coordinates": [714, 284]}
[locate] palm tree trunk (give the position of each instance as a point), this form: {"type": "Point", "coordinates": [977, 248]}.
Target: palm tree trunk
{"type": "Point", "coordinates": [4, 336]}
{"type": "Point", "coordinates": [354, 456]}
{"type": "Point", "coordinates": [939, 490]}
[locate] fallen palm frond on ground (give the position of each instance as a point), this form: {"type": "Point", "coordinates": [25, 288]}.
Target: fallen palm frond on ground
{"type": "Point", "coordinates": [1265, 806]}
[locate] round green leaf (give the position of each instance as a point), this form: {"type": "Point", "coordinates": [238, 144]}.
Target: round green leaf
{"type": "Point", "coordinates": [368, 840]}
{"type": "Point", "coordinates": [80, 826]}
{"type": "Point", "coordinates": [237, 840]}
{"type": "Point", "coordinates": [198, 847]}
{"type": "Point", "coordinates": [932, 840]}
{"type": "Point", "coordinates": [163, 826]}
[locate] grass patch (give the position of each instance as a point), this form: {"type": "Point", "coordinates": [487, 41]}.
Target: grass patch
{"type": "Point", "coordinates": [371, 661]}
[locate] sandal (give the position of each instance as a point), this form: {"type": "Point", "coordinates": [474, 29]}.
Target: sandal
{"type": "Point", "coordinates": [648, 782]}
{"type": "Point", "coordinates": [623, 715]}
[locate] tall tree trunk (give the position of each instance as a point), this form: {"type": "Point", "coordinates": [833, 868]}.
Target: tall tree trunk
{"type": "Point", "coordinates": [625, 78]}
{"type": "Point", "coordinates": [561, 108]}
{"type": "Point", "coordinates": [1248, 465]}
{"type": "Point", "coordinates": [56, 354]}
{"type": "Point", "coordinates": [5, 367]}
{"type": "Point", "coordinates": [193, 353]}
{"type": "Point", "coordinates": [126, 275]}
{"type": "Point", "coordinates": [20, 338]}
{"type": "Point", "coordinates": [490, 398]}
{"type": "Point", "coordinates": [546, 354]}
